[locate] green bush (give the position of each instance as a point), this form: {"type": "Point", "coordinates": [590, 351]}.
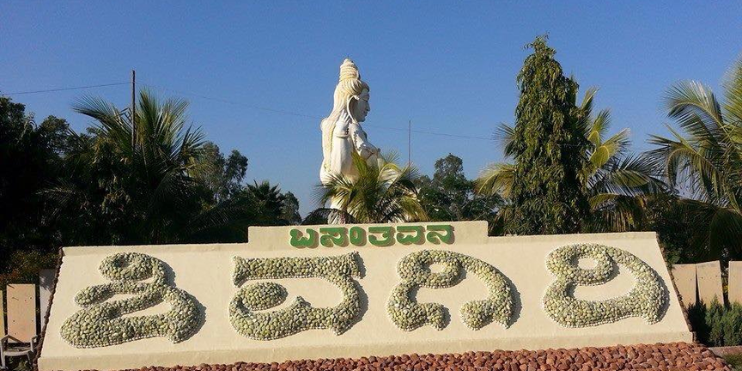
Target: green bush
{"type": "Point", "coordinates": [732, 324]}
{"type": "Point", "coordinates": [716, 324]}
{"type": "Point", "coordinates": [714, 316]}
{"type": "Point", "coordinates": [24, 266]}
{"type": "Point", "coordinates": [734, 360]}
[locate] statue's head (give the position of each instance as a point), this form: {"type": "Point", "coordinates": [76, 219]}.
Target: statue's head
{"type": "Point", "coordinates": [351, 92]}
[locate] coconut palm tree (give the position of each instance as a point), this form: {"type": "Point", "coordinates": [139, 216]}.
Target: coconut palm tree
{"type": "Point", "coordinates": [616, 181]}
{"type": "Point", "coordinates": [138, 183]}
{"type": "Point", "coordinates": [382, 193]}
{"type": "Point", "coordinates": [270, 203]}
{"type": "Point", "coordinates": [704, 163]}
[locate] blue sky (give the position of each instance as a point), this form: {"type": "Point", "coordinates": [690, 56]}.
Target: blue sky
{"type": "Point", "coordinates": [450, 67]}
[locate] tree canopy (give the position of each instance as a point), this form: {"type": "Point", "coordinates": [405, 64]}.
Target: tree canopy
{"type": "Point", "coordinates": [383, 192]}
{"type": "Point", "coordinates": [704, 163]}
{"type": "Point", "coordinates": [548, 193]}
{"type": "Point", "coordinates": [163, 184]}
{"type": "Point", "coordinates": [450, 196]}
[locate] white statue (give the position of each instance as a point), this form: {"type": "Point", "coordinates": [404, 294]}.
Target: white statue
{"type": "Point", "coordinates": [342, 133]}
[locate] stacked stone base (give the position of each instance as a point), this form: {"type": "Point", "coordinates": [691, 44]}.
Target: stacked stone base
{"type": "Point", "coordinates": [673, 356]}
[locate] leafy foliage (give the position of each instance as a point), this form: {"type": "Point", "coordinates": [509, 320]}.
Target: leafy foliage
{"type": "Point", "coordinates": [548, 192]}
{"type": "Point", "coordinates": [160, 183]}
{"type": "Point", "coordinates": [25, 266]}
{"type": "Point", "coordinates": [383, 192]}
{"type": "Point", "coordinates": [274, 207]}
{"type": "Point", "coordinates": [716, 324]}
{"type": "Point", "coordinates": [290, 209]}
{"type": "Point", "coordinates": [705, 162]}
{"type": "Point", "coordinates": [616, 183]}
{"type": "Point", "coordinates": [665, 214]}
{"type": "Point", "coordinates": [30, 158]}
{"type": "Point", "coordinates": [734, 360]}
{"type": "Point", "coordinates": [223, 176]}
{"type": "Point", "coordinates": [450, 196]}
{"type": "Point", "coordinates": [140, 186]}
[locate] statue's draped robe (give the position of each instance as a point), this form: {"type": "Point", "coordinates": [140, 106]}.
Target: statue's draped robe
{"type": "Point", "coordinates": [347, 137]}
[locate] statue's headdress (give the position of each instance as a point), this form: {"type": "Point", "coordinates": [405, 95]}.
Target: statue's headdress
{"type": "Point", "coordinates": [349, 85]}
{"type": "Point", "coordinates": [348, 70]}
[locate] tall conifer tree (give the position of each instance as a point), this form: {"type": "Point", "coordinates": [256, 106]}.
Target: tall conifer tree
{"type": "Point", "coordinates": [549, 148]}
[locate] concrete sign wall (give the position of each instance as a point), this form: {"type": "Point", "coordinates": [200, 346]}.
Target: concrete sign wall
{"type": "Point", "coordinates": [324, 292]}
{"type": "Point", "coordinates": [735, 282]}
{"type": "Point", "coordinates": [46, 286]}
{"type": "Point", "coordinates": [684, 276]}
{"type": "Point", "coordinates": [709, 282]}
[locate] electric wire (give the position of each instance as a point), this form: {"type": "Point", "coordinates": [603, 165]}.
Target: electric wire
{"type": "Point", "coordinates": [67, 88]}
{"type": "Point", "coordinates": [267, 109]}
{"type": "Point", "coordinates": [227, 101]}
{"type": "Point", "coordinates": [417, 131]}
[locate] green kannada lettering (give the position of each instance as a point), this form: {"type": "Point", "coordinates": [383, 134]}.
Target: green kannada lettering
{"type": "Point", "coordinates": [436, 236]}
{"type": "Point", "coordinates": [410, 234]}
{"type": "Point", "coordinates": [357, 236]}
{"type": "Point", "coordinates": [376, 235]}
{"type": "Point", "coordinates": [298, 239]}
{"type": "Point", "coordinates": [333, 236]}
{"type": "Point", "coordinates": [387, 235]}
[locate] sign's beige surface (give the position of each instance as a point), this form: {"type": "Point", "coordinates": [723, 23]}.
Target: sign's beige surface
{"type": "Point", "coordinates": [709, 282]}
{"type": "Point", "coordinates": [205, 272]}
{"type": "Point", "coordinates": [684, 276]}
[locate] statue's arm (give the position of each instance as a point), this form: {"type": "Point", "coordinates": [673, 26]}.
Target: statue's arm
{"type": "Point", "coordinates": [361, 143]}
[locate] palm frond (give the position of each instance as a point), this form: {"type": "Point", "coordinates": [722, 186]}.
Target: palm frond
{"type": "Point", "coordinates": [587, 101]}
{"type": "Point", "coordinates": [705, 162]}
{"type": "Point", "coordinates": [381, 192]}
{"type": "Point", "coordinates": [496, 179]}
{"type": "Point", "coordinates": [615, 213]}
{"type": "Point", "coordinates": [152, 173]}
{"type": "Point", "coordinates": [683, 161]}
{"type": "Point", "coordinates": [629, 176]}
{"type": "Point", "coordinates": [717, 230]}
{"type": "Point", "coordinates": [733, 96]}
{"type": "Point", "coordinates": [110, 121]}
{"type": "Point", "coordinates": [505, 134]}
{"type": "Point", "coordinates": [598, 127]}
{"type": "Point", "coordinates": [695, 107]}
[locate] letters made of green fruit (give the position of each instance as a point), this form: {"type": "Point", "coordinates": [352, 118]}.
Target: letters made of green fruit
{"type": "Point", "coordinates": [647, 299]}
{"type": "Point", "coordinates": [300, 315]}
{"type": "Point", "coordinates": [101, 323]}
{"type": "Point", "coordinates": [414, 270]}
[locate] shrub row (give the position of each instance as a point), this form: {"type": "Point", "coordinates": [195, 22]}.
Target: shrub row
{"type": "Point", "coordinates": [717, 324]}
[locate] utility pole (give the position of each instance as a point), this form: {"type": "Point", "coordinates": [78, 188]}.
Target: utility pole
{"type": "Point", "coordinates": [133, 108]}
{"type": "Point", "coordinates": [409, 143]}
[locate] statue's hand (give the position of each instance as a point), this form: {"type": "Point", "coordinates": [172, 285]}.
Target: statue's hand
{"type": "Point", "coordinates": [375, 153]}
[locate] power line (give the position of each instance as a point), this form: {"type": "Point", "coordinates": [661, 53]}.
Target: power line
{"type": "Point", "coordinates": [451, 135]}
{"type": "Point", "coordinates": [227, 101]}
{"type": "Point", "coordinates": [408, 130]}
{"type": "Point", "coordinates": [267, 109]}
{"type": "Point", "coordinates": [63, 89]}
{"type": "Point", "coordinates": [285, 112]}
{"type": "Point", "coordinates": [236, 103]}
